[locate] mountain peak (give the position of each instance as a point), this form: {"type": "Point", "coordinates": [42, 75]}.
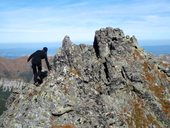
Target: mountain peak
{"type": "Point", "coordinates": [109, 40]}
{"type": "Point", "coordinates": [66, 42]}
{"type": "Point", "coordinates": [112, 83]}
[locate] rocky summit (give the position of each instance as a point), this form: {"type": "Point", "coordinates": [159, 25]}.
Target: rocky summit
{"type": "Point", "coordinates": [111, 84]}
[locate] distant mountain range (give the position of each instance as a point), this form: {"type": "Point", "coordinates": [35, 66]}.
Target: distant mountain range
{"type": "Point", "coordinates": [17, 68]}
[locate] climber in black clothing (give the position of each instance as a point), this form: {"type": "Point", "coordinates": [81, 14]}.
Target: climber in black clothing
{"type": "Point", "coordinates": [36, 64]}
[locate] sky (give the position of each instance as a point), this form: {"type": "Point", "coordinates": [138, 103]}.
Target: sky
{"type": "Point", "coordinates": [24, 21]}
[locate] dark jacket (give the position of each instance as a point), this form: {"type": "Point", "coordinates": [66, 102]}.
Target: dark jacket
{"type": "Point", "coordinates": [38, 56]}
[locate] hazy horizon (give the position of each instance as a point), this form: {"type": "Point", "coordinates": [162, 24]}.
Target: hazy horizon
{"type": "Point", "coordinates": [141, 43]}
{"type": "Point", "coordinates": [17, 50]}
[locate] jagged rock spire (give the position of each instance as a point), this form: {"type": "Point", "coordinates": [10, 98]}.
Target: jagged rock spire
{"type": "Point", "coordinates": [109, 39]}
{"type": "Point", "coordinates": [66, 42]}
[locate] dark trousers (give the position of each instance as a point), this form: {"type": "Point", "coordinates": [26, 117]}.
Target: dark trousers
{"type": "Point", "coordinates": [37, 72]}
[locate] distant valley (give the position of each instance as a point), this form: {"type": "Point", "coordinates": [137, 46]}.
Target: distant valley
{"type": "Point", "coordinates": [17, 68]}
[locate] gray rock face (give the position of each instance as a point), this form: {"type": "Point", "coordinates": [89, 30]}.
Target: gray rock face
{"type": "Point", "coordinates": [112, 84]}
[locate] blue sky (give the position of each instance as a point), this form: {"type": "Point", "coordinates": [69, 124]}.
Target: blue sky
{"type": "Point", "coordinates": [50, 20]}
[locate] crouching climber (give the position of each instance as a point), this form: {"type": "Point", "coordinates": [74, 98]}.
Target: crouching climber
{"type": "Point", "coordinates": [37, 64]}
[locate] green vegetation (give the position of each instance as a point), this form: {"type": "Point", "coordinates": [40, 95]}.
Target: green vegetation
{"type": "Point", "coordinates": [26, 76]}
{"type": "Point", "coordinates": [3, 97]}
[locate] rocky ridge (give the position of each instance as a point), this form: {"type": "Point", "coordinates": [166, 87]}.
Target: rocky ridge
{"type": "Point", "coordinates": [112, 84]}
